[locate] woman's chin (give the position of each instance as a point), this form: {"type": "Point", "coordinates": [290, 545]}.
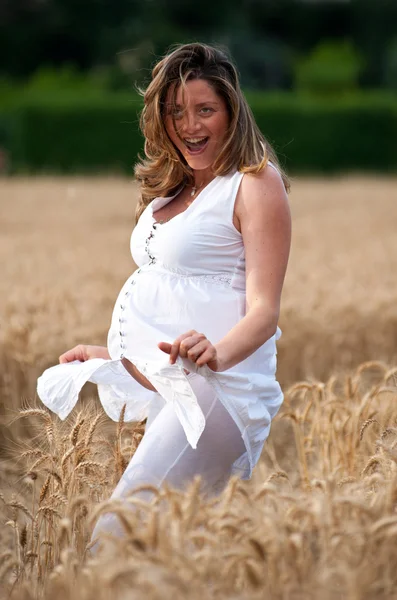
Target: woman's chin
{"type": "Point", "coordinates": [198, 163]}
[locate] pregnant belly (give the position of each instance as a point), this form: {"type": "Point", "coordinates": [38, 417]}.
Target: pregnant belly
{"type": "Point", "coordinates": [138, 376]}
{"type": "Point", "coordinates": [160, 308]}
{"type": "Point", "coordinates": [182, 303]}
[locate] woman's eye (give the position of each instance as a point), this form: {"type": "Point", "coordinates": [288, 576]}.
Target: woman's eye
{"type": "Point", "coordinates": [177, 113]}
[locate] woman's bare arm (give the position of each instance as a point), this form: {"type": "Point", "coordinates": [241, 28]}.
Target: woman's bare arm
{"type": "Point", "coordinates": [265, 220]}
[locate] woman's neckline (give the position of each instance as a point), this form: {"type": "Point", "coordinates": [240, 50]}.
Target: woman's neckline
{"type": "Point", "coordinates": [169, 198]}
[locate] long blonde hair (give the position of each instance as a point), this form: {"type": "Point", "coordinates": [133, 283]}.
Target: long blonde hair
{"type": "Point", "coordinates": [164, 169]}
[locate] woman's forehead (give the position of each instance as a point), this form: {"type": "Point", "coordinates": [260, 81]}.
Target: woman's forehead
{"type": "Point", "coordinates": [196, 91]}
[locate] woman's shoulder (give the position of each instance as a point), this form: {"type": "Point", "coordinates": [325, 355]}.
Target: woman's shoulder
{"type": "Point", "coordinates": [269, 175]}
{"type": "Point", "coordinates": [268, 181]}
{"type": "Point", "coordinates": [260, 192]}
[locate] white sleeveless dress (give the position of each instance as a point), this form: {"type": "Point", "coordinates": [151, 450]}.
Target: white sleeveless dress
{"type": "Point", "coordinates": [191, 275]}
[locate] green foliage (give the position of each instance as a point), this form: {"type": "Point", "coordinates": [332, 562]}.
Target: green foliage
{"type": "Point", "coordinates": [331, 68]}
{"type": "Point", "coordinates": [357, 133]}
{"type": "Point", "coordinates": [68, 80]}
{"type": "Point", "coordinates": [264, 62]}
{"type": "Point", "coordinates": [48, 79]}
{"type": "Point", "coordinates": [80, 134]}
{"type": "Point", "coordinates": [391, 65]}
{"type": "Point", "coordinates": [75, 137]}
{"type": "Point", "coordinates": [263, 34]}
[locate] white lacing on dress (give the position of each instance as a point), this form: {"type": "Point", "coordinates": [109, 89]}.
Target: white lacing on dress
{"type": "Point", "coordinates": [147, 247]}
{"type": "Point", "coordinates": [217, 278]}
{"type": "Point", "coordinates": [221, 278]}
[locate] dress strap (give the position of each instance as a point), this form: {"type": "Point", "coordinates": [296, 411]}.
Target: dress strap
{"type": "Point", "coordinates": [269, 162]}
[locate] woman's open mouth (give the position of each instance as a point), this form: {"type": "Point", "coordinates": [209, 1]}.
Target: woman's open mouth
{"type": "Point", "coordinates": [196, 145]}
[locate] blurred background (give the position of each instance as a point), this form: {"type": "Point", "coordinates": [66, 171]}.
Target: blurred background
{"type": "Point", "coordinates": [320, 75]}
{"type": "Point", "coordinates": [321, 78]}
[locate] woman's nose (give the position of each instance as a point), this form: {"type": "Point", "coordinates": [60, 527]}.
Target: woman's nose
{"type": "Point", "coordinates": [190, 123]}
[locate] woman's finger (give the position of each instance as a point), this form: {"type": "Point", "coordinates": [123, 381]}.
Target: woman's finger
{"type": "Point", "coordinates": [67, 356]}
{"type": "Point", "coordinates": [183, 344]}
{"type": "Point", "coordinates": [169, 348]}
{"type": "Point", "coordinates": [175, 349]}
{"type": "Point", "coordinates": [208, 356]}
{"type": "Point", "coordinates": [76, 353]}
{"type": "Point", "coordinates": [165, 347]}
{"type": "Point", "coordinates": [190, 342]}
{"type": "Point", "coordinates": [195, 351]}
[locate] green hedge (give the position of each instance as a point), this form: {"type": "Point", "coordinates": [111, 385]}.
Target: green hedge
{"type": "Point", "coordinates": [75, 137]}
{"type": "Point", "coordinates": [101, 134]}
{"type": "Point", "coordinates": [311, 136]}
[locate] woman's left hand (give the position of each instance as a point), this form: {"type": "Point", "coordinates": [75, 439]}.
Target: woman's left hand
{"type": "Point", "coordinates": [195, 347]}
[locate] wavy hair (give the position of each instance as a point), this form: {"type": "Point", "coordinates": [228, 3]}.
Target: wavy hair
{"type": "Point", "coordinates": [164, 169]}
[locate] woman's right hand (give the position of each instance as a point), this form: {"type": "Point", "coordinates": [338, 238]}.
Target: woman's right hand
{"type": "Point", "coordinates": [83, 352]}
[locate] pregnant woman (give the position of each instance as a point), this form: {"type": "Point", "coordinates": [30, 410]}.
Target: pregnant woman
{"type": "Point", "coordinates": [192, 342]}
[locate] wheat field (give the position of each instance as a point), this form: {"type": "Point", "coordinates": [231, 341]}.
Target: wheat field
{"type": "Point", "coordinates": [318, 520]}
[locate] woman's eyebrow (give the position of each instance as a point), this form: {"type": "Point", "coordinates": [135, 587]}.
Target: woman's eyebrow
{"type": "Point", "coordinates": [170, 105]}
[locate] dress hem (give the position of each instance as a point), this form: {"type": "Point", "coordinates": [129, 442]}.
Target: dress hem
{"type": "Point", "coordinates": [59, 388]}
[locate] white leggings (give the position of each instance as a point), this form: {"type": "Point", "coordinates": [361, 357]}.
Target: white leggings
{"type": "Point", "coordinates": [164, 455]}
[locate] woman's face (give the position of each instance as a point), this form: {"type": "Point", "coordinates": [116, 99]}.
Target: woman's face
{"type": "Point", "coordinates": [201, 121]}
